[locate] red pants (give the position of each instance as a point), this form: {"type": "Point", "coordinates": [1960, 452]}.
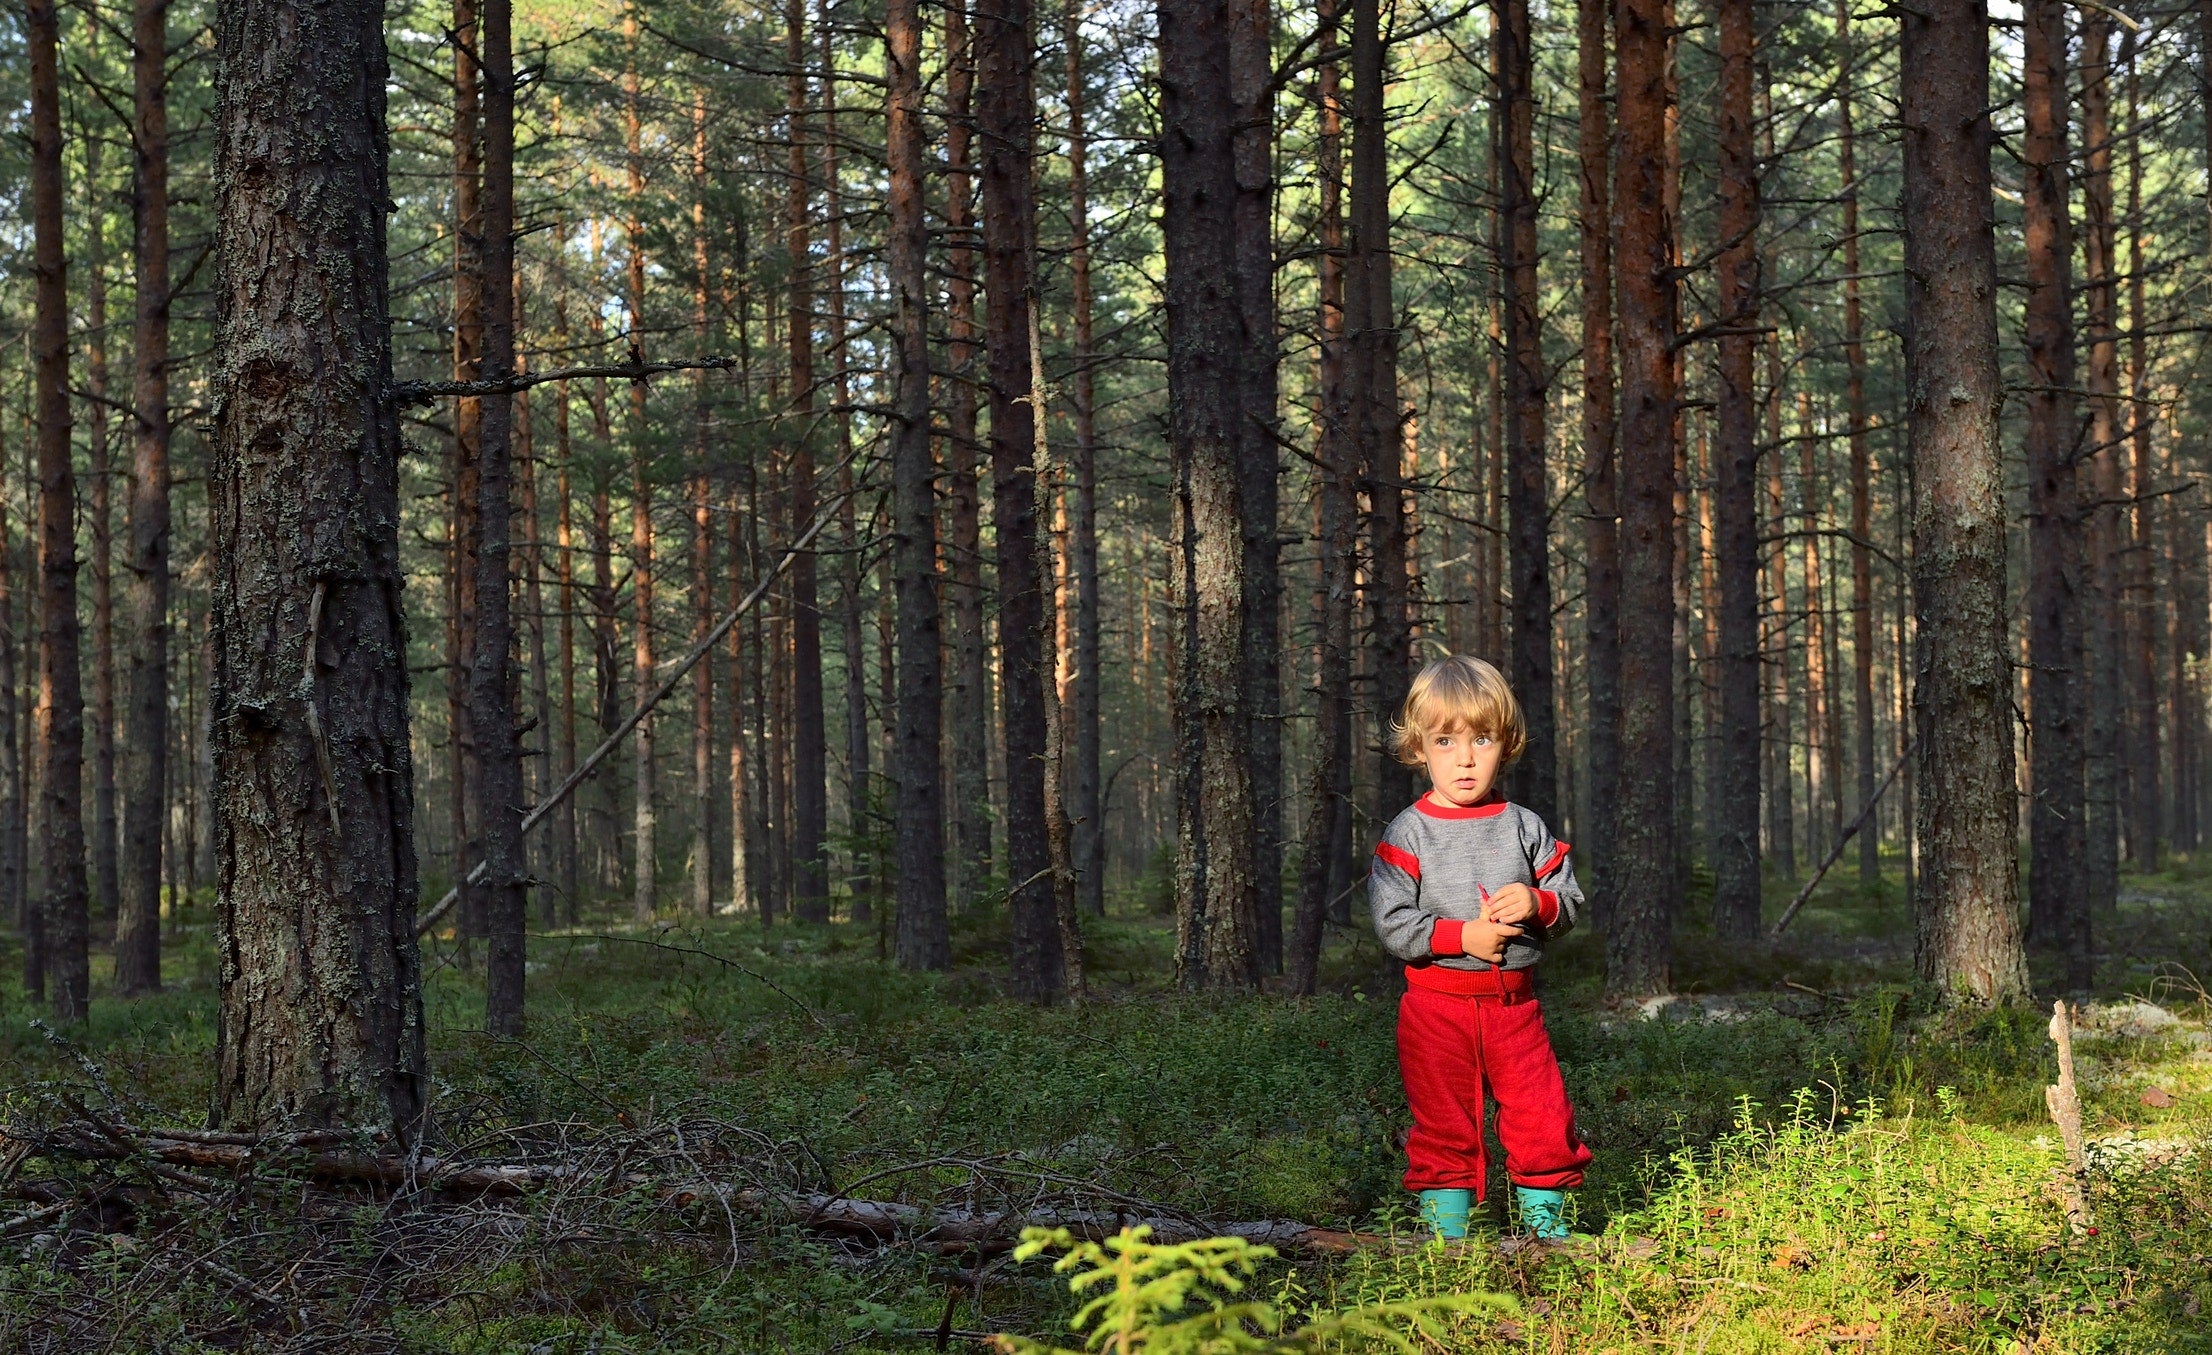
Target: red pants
{"type": "Point", "coordinates": [1449, 1047]}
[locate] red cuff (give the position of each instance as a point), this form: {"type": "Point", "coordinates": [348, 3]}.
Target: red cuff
{"type": "Point", "coordinates": [1547, 907]}
{"type": "Point", "coordinates": [1445, 940]}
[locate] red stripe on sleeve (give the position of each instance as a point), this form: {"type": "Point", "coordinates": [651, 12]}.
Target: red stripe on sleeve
{"type": "Point", "coordinates": [1558, 854]}
{"type": "Point", "coordinates": [1399, 857]}
{"type": "Point", "coordinates": [1547, 907]}
{"type": "Point", "coordinates": [1446, 939]}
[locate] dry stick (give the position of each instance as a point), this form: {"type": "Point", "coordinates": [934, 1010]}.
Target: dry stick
{"type": "Point", "coordinates": [2064, 1103]}
{"type": "Point", "coordinates": [424, 392]}
{"type": "Point", "coordinates": [600, 754]}
{"type": "Point", "coordinates": [1835, 853]}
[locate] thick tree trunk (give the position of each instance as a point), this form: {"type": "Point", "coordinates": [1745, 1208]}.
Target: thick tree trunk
{"type": "Point", "coordinates": [1862, 516]}
{"type": "Point", "coordinates": [968, 699]}
{"type": "Point", "coordinates": [100, 515]}
{"type": "Point", "coordinates": [809, 733]}
{"type": "Point", "coordinates": [1536, 779]}
{"type": "Point", "coordinates": [59, 738]}
{"type": "Point", "coordinates": [146, 587]}
{"type": "Point", "coordinates": [1601, 529]}
{"type": "Point", "coordinates": [2055, 657]}
{"type": "Point", "coordinates": [1371, 334]}
{"type": "Point", "coordinates": [1968, 933]}
{"type": "Point", "coordinates": [2147, 808]}
{"type": "Point", "coordinates": [498, 809]}
{"type": "Point", "coordinates": [1005, 114]}
{"type": "Point", "coordinates": [1208, 351]}
{"type": "Point", "coordinates": [924, 937]}
{"type": "Point", "coordinates": [1735, 793]}
{"type": "Point", "coordinates": [1254, 433]}
{"type": "Point", "coordinates": [1085, 806]}
{"type": "Point", "coordinates": [1324, 870]}
{"type": "Point", "coordinates": [464, 490]}
{"type": "Point", "coordinates": [320, 1021]}
{"type": "Point", "coordinates": [1639, 928]}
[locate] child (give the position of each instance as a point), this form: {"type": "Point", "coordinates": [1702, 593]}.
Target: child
{"type": "Point", "coordinates": [1467, 888]}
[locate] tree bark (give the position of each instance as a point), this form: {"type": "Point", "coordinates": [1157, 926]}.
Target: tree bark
{"type": "Point", "coordinates": [1085, 806]}
{"type": "Point", "coordinates": [809, 733]}
{"type": "Point", "coordinates": [146, 585]}
{"type": "Point", "coordinates": [2147, 808]}
{"type": "Point", "coordinates": [60, 729]}
{"type": "Point", "coordinates": [100, 515]}
{"type": "Point", "coordinates": [968, 704]}
{"type": "Point", "coordinates": [2055, 657]}
{"type": "Point", "coordinates": [14, 856]}
{"type": "Point", "coordinates": [1639, 930]}
{"type": "Point", "coordinates": [1968, 942]}
{"type": "Point", "coordinates": [1536, 779]}
{"type": "Point", "coordinates": [464, 488]}
{"type": "Point", "coordinates": [498, 783]}
{"type": "Point", "coordinates": [1005, 114]}
{"type": "Point", "coordinates": [1601, 528]}
{"type": "Point", "coordinates": [702, 536]}
{"type": "Point", "coordinates": [320, 1021]}
{"type": "Point", "coordinates": [1862, 514]}
{"type": "Point", "coordinates": [1252, 93]}
{"type": "Point", "coordinates": [924, 936]}
{"type": "Point", "coordinates": [1208, 346]}
{"type": "Point", "coordinates": [2102, 634]}
{"type": "Point", "coordinates": [1735, 804]}
{"type": "Point", "coordinates": [644, 785]}
{"type": "Point", "coordinates": [1371, 334]}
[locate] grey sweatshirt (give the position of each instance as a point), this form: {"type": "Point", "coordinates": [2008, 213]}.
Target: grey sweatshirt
{"type": "Point", "coordinates": [1435, 862]}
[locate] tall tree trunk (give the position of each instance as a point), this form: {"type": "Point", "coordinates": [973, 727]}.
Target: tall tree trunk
{"type": "Point", "coordinates": [543, 864]}
{"type": "Point", "coordinates": [1324, 870]}
{"type": "Point", "coordinates": [14, 856]}
{"type": "Point", "coordinates": [645, 821]}
{"type": "Point", "coordinates": [1536, 782]}
{"type": "Point", "coordinates": [464, 489]}
{"type": "Point", "coordinates": [2102, 633]}
{"type": "Point", "coordinates": [1253, 433]}
{"type": "Point", "coordinates": [1639, 930]}
{"type": "Point", "coordinates": [1968, 942]}
{"type": "Point", "coordinates": [60, 732]}
{"type": "Point", "coordinates": [1862, 515]}
{"type": "Point", "coordinates": [1601, 529]}
{"type": "Point", "coordinates": [320, 1019]}
{"type": "Point", "coordinates": [809, 734]}
{"type": "Point", "coordinates": [853, 640]}
{"type": "Point", "coordinates": [1735, 802]}
{"type": "Point", "coordinates": [1199, 114]}
{"type": "Point", "coordinates": [702, 537]}
{"type": "Point", "coordinates": [2146, 806]}
{"type": "Point", "coordinates": [146, 587]}
{"type": "Point", "coordinates": [1821, 763]}
{"type": "Point", "coordinates": [101, 520]}
{"type": "Point", "coordinates": [1085, 806]}
{"type": "Point", "coordinates": [924, 936]}
{"type": "Point", "coordinates": [566, 848]}
{"type": "Point", "coordinates": [1371, 333]}
{"type": "Point", "coordinates": [968, 704]}
{"type": "Point", "coordinates": [602, 814]}
{"type": "Point", "coordinates": [2055, 657]}
{"type": "Point", "coordinates": [1006, 102]}
{"type": "Point", "coordinates": [498, 782]}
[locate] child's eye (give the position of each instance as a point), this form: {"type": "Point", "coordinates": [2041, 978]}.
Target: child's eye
{"type": "Point", "coordinates": [1482, 740]}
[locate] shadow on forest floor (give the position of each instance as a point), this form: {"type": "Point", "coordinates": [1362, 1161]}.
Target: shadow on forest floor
{"type": "Point", "coordinates": [1793, 1154]}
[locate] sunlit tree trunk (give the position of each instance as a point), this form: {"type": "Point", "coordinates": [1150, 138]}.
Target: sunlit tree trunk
{"type": "Point", "coordinates": [1601, 528]}
{"type": "Point", "coordinates": [809, 734]}
{"type": "Point", "coordinates": [463, 529]}
{"type": "Point", "coordinates": [1968, 941]}
{"type": "Point", "coordinates": [968, 698]}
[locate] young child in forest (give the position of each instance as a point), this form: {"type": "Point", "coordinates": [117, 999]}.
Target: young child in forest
{"type": "Point", "coordinates": [1467, 888]}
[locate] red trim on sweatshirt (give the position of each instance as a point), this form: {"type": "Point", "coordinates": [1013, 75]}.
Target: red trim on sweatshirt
{"type": "Point", "coordinates": [1510, 985]}
{"type": "Point", "coordinates": [1399, 857]}
{"type": "Point", "coordinates": [1547, 908]}
{"type": "Point", "coordinates": [1488, 805]}
{"type": "Point", "coordinates": [1558, 854]}
{"type": "Point", "coordinates": [1446, 939]}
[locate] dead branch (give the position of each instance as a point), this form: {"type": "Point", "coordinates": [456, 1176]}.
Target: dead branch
{"type": "Point", "coordinates": [2064, 1103]}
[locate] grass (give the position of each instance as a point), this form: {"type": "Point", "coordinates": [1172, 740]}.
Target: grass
{"type": "Point", "coordinates": [1794, 1157]}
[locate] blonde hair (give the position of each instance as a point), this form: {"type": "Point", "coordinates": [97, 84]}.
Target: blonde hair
{"type": "Point", "coordinates": [1458, 691]}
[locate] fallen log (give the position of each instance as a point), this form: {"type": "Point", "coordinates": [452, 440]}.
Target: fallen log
{"type": "Point", "coordinates": [314, 1157]}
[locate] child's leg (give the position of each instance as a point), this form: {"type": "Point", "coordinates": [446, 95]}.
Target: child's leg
{"type": "Point", "coordinates": [1535, 1123]}
{"type": "Point", "coordinates": [1440, 1059]}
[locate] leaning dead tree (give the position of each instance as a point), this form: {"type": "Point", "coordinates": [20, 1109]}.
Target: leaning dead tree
{"type": "Point", "coordinates": [321, 1011]}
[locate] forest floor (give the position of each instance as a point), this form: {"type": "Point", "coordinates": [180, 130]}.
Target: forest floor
{"type": "Point", "coordinates": [1790, 1156]}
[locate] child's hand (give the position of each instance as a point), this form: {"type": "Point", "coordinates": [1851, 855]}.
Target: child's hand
{"type": "Point", "coordinates": [1485, 940]}
{"type": "Point", "coordinates": [1515, 902]}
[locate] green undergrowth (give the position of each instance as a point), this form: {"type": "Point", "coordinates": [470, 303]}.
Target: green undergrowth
{"type": "Point", "coordinates": [1794, 1155]}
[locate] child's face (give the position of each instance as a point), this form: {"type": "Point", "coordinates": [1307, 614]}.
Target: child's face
{"type": "Point", "coordinates": [1463, 765]}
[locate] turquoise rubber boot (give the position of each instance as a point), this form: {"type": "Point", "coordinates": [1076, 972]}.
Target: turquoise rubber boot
{"type": "Point", "coordinates": [1446, 1212]}
{"type": "Point", "coordinates": [1541, 1212]}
